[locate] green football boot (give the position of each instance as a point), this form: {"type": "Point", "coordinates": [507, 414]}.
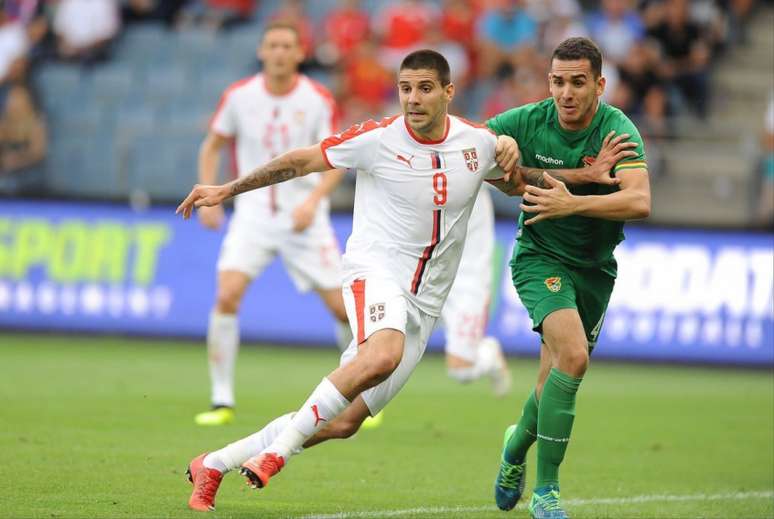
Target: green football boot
{"type": "Point", "coordinates": [509, 484]}
{"type": "Point", "coordinates": [217, 416]}
{"type": "Point", "coordinates": [545, 504]}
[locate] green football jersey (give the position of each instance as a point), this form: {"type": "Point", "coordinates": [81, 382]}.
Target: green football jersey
{"type": "Point", "coordinates": [575, 240]}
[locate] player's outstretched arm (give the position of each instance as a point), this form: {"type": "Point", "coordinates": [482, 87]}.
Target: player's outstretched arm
{"type": "Point", "coordinates": [295, 163]}
{"type": "Point", "coordinates": [630, 202]}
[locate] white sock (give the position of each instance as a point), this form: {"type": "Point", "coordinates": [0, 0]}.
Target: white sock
{"type": "Point", "coordinates": [487, 357]}
{"type": "Point", "coordinates": [343, 335]}
{"type": "Point", "coordinates": [464, 375]}
{"type": "Point", "coordinates": [323, 405]}
{"type": "Point", "coordinates": [234, 454]}
{"type": "Point", "coordinates": [222, 347]}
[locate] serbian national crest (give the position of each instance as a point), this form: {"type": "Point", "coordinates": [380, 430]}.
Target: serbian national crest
{"type": "Point", "coordinates": [471, 159]}
{"type": "Point", "coordinates": [376, 312]}
{"type": "Point", "coordinates": [554, 284]}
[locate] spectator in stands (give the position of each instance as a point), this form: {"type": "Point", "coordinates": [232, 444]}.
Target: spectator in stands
{"type": "Point", "coordinates": [368, 85]}
{"type": "Point", "coordinates": [685, 55]}
{"type": "Point", "coordinates": [640, 92]}
{"type": "Point", "coordinates": [562, 21]}
{"type": "Point", "coordinates": [31, 14]}
{"type": "Point", "coordinates": [22, 132]}
{"type": "Point", "coordinates": [346, 27]}
{"type": "Point", "coordinates": [616, 28]}
{"type": "Point", "coordinates": [84, 29]}
{"type": "Point", "coordinates": [13, 50]}
{"type": "Point", "coordinates": [400, 28]}
{"type": "Point", "coordinates": [458, 21]}
{"type": "Point", "coordinates": [216, 14]}
{"type": "Point", "coordinates": [507, 36]}
{"type": "Point", "coordinates": [764, 214]}
{"type": "Point", "coordinates": [527, 84]}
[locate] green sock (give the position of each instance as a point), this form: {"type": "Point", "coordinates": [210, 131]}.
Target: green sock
{"type": "Point", "coordinates": [556, 413]}
{"type": "Point", "coordinates": [525, 434]}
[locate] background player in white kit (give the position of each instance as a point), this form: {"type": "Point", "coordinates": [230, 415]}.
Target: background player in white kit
{"type": "Point", "coordinates": [470, 354]}
{"type": "Point", "coordinates": [417, 180]}
{"type": "Point", "coordinates": [267, 115]}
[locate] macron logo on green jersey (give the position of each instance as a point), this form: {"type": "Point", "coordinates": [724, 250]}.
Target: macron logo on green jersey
{"type": "Point", "coordinates": [549, 160]}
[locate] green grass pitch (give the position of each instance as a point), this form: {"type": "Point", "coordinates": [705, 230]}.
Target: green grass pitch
{"type": "Point", "coordinates": [102, 427]}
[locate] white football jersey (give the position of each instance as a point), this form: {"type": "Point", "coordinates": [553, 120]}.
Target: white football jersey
{"type": "Point", "coordinates": [265, 126]}
{"type": "Point", "coordinates": [413, 198]}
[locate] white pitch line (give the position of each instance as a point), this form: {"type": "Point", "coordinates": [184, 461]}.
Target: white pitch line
{"type": "Point", "coordinates": [653, 498]}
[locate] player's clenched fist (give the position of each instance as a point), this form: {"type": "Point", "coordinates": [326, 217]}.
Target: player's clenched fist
{"type": "Point", "coordinates": [202, 196]}
{"type": "Point", "coordinates": [507, 153]}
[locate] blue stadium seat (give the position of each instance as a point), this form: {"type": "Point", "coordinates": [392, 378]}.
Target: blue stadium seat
{"type": "Point", "coordinates": [163, 166]}
{"type": "Point", "coordinates": [166, 82]}
{"type": "Point", "coordinates": [77, 166]}
{"type": "Point", "coordinates": [113, 81]}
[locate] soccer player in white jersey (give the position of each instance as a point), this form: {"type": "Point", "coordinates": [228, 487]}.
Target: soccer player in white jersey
{"type": "Point", "coordinates": [470, 355]}
{"type": "Point", "coordinates": [266, 115]}
{"type": "Point", "coordinates": [418, 176]}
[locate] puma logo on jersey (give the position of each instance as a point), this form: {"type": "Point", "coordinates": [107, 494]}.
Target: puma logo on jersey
{"type": "Point", "coordinates": [404, 159]}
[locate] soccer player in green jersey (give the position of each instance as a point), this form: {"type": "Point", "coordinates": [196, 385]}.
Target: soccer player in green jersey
{"type": "Point", "coordinates": [563, 266]}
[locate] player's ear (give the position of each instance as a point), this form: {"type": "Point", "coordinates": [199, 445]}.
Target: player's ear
{"type": "Point", "coordinates": [449, 91]}
{"type": "Point", "coordinates": [601, 82]}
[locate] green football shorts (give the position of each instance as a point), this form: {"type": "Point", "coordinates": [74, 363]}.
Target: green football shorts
{"type": "Point", "coordinates": [545, 284]}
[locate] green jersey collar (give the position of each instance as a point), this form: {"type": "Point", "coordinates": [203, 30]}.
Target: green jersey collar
{"type": "Point", "coordinates": [552, 118]}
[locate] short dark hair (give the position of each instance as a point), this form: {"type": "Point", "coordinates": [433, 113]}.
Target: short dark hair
{"type": "Point", "coordinates": [430, 60]}
{"type": "Point", "coordinates": [573, 49]}
{"type": "Point", "coordinates": [282, 24]}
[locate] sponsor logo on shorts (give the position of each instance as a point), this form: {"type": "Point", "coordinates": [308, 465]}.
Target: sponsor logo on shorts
{"type": "Point", "coordinates": [554, 284]}
{"type": "Point", "coordinates": [471, 159]}
{"type": "Point", "coordinates": [376, 312]}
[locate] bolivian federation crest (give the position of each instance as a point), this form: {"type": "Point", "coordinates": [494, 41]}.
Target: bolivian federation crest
{"type": "Point", "coordinates": [471, 159]}
{"type": "Point", "coordinates": [554, 284]}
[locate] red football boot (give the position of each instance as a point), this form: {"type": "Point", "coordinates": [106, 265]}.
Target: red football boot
{"type": "Point", "coordinates": [205, 482]}
{"type": "Point", "coordinates": [260, 468]}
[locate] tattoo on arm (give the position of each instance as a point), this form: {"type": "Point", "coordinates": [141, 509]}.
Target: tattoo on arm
{"type": "Point", "coordinates": [265, 176]}
{"type": "Point", "coordinates": [534, 176]}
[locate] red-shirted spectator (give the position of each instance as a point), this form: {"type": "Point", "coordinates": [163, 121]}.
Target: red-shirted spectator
{"type": "Point", "coordinates": [347, 26]}
{"type": "Point", "coordinates": [401, 28]}
{"type": "Point", "coordinates": [458, 21]}
{"type": "Point", "coordinates": [366, 79]}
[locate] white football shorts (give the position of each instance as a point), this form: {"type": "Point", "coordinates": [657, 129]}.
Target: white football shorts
{"type": "Point", "coordinates": [374, 304]}
{"type": "Point", "coordinates": [312, 258]}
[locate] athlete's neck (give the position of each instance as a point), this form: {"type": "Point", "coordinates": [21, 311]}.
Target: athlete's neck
{"type": "Point", "coordinates": [434, 133]}
{"type": "Point", "coordinates": [280, 85]}
{"type": "Point", "coordinates": [582, 125]}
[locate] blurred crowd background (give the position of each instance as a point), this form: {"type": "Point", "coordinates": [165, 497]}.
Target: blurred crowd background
{"type": "Point", "coordinates": [109, 99]}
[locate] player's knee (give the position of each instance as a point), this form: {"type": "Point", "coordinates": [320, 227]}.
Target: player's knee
{"type": "Point", "coordinates": [576, 360]}
{"type": "Point", "coordinates": [381, 365]}
{"type": "Point", "coordinates": [227, 301]}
